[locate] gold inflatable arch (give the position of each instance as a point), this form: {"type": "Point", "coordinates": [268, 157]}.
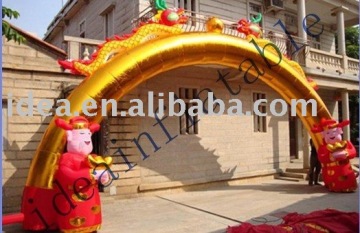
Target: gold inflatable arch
{"type": "Point", "coordinates": [124, 72]}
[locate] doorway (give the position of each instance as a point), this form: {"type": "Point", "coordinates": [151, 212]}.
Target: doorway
{"type": "Point", "coordinates": [293, 137]}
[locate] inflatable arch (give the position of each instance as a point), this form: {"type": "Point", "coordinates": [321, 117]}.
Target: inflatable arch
{"type": "Point", "coordinates": [135, 65]}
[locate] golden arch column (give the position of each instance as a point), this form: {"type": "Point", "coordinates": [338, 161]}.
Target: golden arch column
{"type": "Point", "coordinates": [124, 72]}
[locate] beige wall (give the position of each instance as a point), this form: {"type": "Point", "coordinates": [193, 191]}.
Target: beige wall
{"type": "Point", "coordinates": [230, 10]}
{"type": "Point", "coordinates": [330, 98]}
{"type": "Point", "coordinates": [26, 68]}
{"type": "Point", "coordinates": [226, 147]}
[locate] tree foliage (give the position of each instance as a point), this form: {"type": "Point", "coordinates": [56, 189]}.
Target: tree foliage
{"type": "Point", "coordinates": [352, 42]}
{"type": "Point", "coordinates": [352, 50]}
{"type": "Point", "coordinates": [354, 118]}
{"type": "Point", "coordinates": [7, 30]}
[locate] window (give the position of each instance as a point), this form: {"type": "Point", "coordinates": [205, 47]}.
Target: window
{"type": "Point", "coordinates": [315, 42]}
{"type": "Point", "coordinates": [82, 29]}
{"type": "Point", "coordinates": [108, 17]}
{"type": "Point", "coordinates": [109, 24]}
{"type": "Point", "coordinates": [290, 20]}
{"type": "Point", "coordinates": [4, 124]}
{"type": "Point", "coordinates": [188, 124]}
{"type": "Point", "coordinates": [189, 5]}
{"type": "Point", "coordinates": [259, 121]}
{"type": "Point", "coordinates": [254, 10]}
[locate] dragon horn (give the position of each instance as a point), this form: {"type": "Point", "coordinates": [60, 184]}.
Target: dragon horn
{"type": "Point", "coordinates": [160, 5]}
{"type": "Point", "coordinates": [256, 19]}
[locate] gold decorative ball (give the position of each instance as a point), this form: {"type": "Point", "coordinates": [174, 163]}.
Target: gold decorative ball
{"type": "Point", "coordinates": [214, 25]}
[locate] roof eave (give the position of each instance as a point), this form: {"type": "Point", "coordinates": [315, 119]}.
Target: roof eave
{"type": "Point", "coordinates": [59, 17]}
{"type": "Point", "coordinates": [55, 50]}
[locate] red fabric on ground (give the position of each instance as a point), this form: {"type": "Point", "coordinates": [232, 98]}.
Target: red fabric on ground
{"type": "Point", "coordinates": [249, 228]}
{"type": "Point", "coordinates": [333, 221]}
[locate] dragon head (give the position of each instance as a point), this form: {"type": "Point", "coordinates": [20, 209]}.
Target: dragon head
{"type": "Point", "coordinates": [171, 17]}
{"type": "Point", "coordinates": [250, 27]}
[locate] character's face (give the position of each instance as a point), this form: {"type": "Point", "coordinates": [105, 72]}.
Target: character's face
{"type": "Point", "coordinates": [332, 135]}
{"type": "Point", "coordinates": [79, 141]}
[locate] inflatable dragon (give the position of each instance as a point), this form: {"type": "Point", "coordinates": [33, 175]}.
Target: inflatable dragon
{"type": "Point", "coordinates": [165, 22]}
{"type": "Point", "coordinates": [250, 27]}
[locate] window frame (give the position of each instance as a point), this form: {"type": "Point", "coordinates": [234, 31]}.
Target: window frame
{"type": "Point", "coordinates": [109, 26]}
{"type": "Point", "coordinates": [82, 30]}
{"type": "Point", "coordinates": [110, 9]}
{"type": "Point", "coordinates": [250, 12]}
{"type": "Point", "coordinates": [185, 119]}
{"type": "Point", "coordinates": [185, 4]}
{"type": "Point", "coordinates": [292, 22]}
{"type": "Point", "coordinates": [316, 42]}
{"type": "Point", "coordinates": [262, 120]}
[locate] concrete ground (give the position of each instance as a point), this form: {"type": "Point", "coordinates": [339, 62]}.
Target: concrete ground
{"type": "Point", "coordinates": [215, 208]}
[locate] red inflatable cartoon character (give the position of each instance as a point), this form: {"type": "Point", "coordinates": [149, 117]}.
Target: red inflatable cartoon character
{"type": "Point", "coordinates": [73, 204]}
{"type": "Point", "coordinates": [77, 176]}
{"type": "Point", "coordinates": [334, 155]}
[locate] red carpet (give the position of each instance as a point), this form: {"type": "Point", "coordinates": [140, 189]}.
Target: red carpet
{"type": "Point", "coordinates": [329, 220]}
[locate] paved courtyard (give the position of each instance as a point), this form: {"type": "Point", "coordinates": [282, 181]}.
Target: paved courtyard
{"type": "Point", "coordinates": [213, 209]}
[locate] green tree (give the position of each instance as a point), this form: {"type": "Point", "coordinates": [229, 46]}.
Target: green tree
{"type": "Point", "coordinates": [354, 118]}
{"type": "Point", "coordinates": [352, 50]}
{"type": "Point", "coordinates": [7, 30]}
{"type": "Point", "coordinates": [352, 42]}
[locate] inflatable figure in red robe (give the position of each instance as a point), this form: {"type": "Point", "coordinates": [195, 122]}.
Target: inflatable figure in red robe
{"type": "Point", "coordinates": [73, 205]}
{"type": "Point", "coordinates": [81, 211]}
{"type": "Point", "coordinates": [334, 155]}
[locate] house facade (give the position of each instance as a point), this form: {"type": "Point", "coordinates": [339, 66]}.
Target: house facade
{"type": "Point", "coordinates": [215, 148]}
{"type": "Point", "coordinates": [185, 151]}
